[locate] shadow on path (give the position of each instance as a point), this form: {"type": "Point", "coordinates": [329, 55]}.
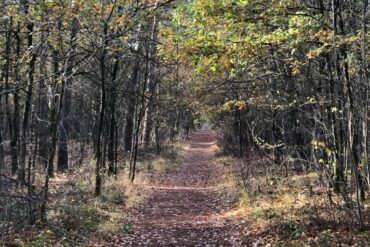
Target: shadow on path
{"type": "Point", "coordinates": [184, 208]}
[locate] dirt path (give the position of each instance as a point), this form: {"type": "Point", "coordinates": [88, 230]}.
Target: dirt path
{"type": "Point", "coordinates": [184, 208]}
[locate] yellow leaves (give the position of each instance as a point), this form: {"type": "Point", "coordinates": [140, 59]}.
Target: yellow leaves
{"type": "Point", "coordinates": [53, 41]}
{"type": "Point", "coordinates": [317, 144]}
{"type": "Point", "coordinates": [296, 68]}
{"type": "Point", "coordinates": [322, 146]}
{"type": "Point", "coordinates": [235, 105]}
{"type": "Point", "coordinates": [97, 29]}
{"type": "Point", "coordinates": [9, 11]}
{"type": "Point", "coordinates": [334, 109]}
{"type": "Point", "coordinates": [295, 71]}
{"type": "Point", "coordinates": [121, 19]}
{"type": "Point", "coordinates": [228, 105]}
{"type": "Point", "coordinates": [312, 54]}
{"type": "Point", "coordinates": [324, 36]}
{"type": "Point", "coordinates": [310, 100]}
{"type": "Point", "coordinates": [328, 151]}
{"type": "Point", "coordinates": [268, 146]}
{"type": "Point", "coordinates": [79, 4]}
{"type": "Point", "coordinates": [118, 22]}
{"type": "Point", "coordinates": [329, 41]}
{"type": "Point", "coordinates": [349, 40]}
{"type": "Point", "coordinates": [314, 142]}
{"type": "Point", "coordinates": [96, 7]}
{"type": "Point", "coordinates": [65, 24]}
{"type": "Point", "coordinates": [241, 105]}
{"type": "Point", "coordinates": [213, 68]}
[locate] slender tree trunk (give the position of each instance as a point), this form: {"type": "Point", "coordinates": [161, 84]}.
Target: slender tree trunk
{"type": "Point", "coordinates": [5, 78]}
{"type": "Point", "coordinates": [2, 152]}
{"type": "Point", "coordinates": [131, 101]}
{"type": "Point", "coordinates": [4, 99]}
{"type": "Point", "coordinates": [62, 163]}
{"type": "Point", "coordinates": [340, 133]}
{"type": "Point", "coordinates": [53, 130]}
{"type": "Point", "coordinates": [43, 99]}
{"type": "Point", "coordinates": [98, 154]}
{"type": "Point", "coordinates": [27, 106]}
{"type": "Point", "coordinates": [139, 117]}
{"type": "Point", "coordinates": [112, 125]}
{"type": "Point", "coordinates": [365, 75]}
{"type": "Point", "coordinates": [31, 163]}
{"type": "Point", "coordinates": [151, 84]}
{"type": "Point", "coordinates": [14, 123]}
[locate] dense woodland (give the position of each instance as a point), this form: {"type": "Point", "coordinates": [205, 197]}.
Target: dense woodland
{"type": "Point", "coordinates": [107, 84]}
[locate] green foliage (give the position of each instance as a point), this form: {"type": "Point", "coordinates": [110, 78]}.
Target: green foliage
{"type": "Point", "coordinates": [112, 194]}
{"type": "Point", "coordinates": [291, 229]}
{"type": "Point", "coordinates": [267, 146]}
{"type": "Point", "coordinates": [234, 105]}
{"type": "Point", "coordinates": [80, 217]}
{"type": "Point", "coordinates": [128, 228]}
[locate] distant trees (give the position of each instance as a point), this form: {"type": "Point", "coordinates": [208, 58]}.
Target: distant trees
{"type": "Point", "coordinates": [287, 77]}
{"type": "Point", "coordinates": [80, 73]}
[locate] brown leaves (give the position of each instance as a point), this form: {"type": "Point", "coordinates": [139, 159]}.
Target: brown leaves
{"type": "Point", "coordinates": [185, 208]}
{"type": "Point", "coordinates": [296, 68]}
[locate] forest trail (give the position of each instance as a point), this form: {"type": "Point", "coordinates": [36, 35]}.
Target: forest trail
{"type": "Point", "coordinates": [184, 207]}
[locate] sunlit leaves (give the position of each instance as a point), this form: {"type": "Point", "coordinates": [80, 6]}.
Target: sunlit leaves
{"type": "Point", "coordinates": [233, 105]}
{"type": "Point", "coordinates": [296, 68]}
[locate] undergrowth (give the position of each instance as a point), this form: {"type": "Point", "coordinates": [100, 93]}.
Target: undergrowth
{"type": "Point", "coordinates": [76, 216]}
{"type": "Point", "coordinates": [288, 210]}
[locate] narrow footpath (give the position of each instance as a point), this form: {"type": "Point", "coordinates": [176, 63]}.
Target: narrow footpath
{"type": "Point", "coordinates": [184, 207]}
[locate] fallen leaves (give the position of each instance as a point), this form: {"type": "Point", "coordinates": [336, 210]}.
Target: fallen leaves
{"type": "Point", "coordinates": [185, 207]}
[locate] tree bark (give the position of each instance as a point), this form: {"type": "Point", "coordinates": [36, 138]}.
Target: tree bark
{"type": "Point", "coordinates": [98, 154]}
{"type": "Point", "coordinates": [112, 125]}
{"type": "Point", "coordinates": [27, 106]}
{"type": "Point", "coordinates": [132, 89]}
{"type": "Point", "coordinates": [64, 128]}
{"type": "Point", "coordinates": [151, 83]}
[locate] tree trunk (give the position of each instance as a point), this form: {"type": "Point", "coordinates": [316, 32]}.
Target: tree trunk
{"type": "Point", "coordinates": [151, 83]}
{"type": "Point", "coordinates": [27, 106]}
{"type": "Point", "coordinates": [2, 152]}
{"type": "Point", "coordinates": [98, 154]}
{"type": "Point", "coordinates": [62, 164]}
{"type": "Point", "coordinates": [132, 89]}
{"type": "Point", "coordinates": [14, 123]}
{"type": "Point", "coordinates": [112, 126]}
{"type": "Point", "coordinates": [43, 101]}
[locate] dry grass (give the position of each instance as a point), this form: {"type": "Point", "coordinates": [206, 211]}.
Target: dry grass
{"type": "Point", "coordinates": [75, 214]}
{"type": "Point", "coordinates": [289, 211]}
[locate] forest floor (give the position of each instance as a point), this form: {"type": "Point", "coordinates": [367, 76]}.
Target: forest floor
{"type": "Point", "coordinates": [185, 206]}
{"type": "Point", "coordinates": [191, 196]}
{"type": "Point", "coordinates": [199, 203]}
